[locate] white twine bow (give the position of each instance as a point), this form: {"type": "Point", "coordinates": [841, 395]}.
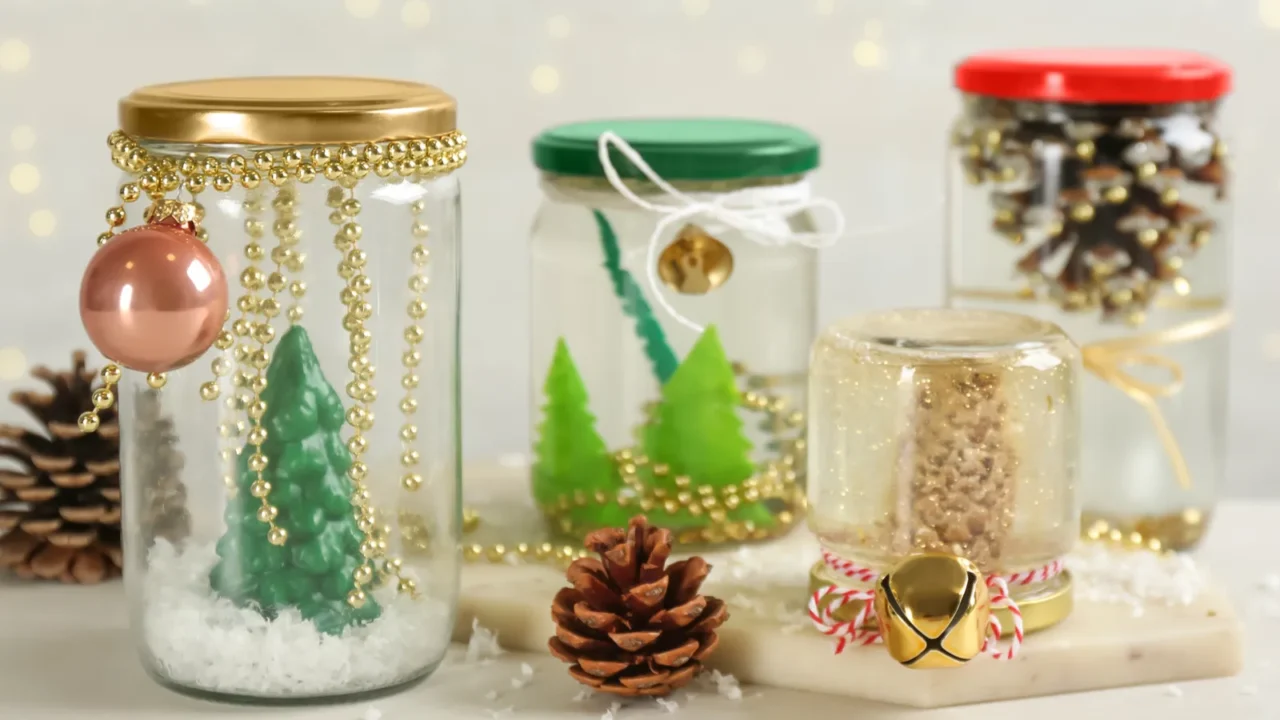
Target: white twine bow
{"type": "Point", "coordinates": [759, 213]}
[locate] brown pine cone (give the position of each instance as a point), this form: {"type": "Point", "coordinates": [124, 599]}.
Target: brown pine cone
{"type": "Point", "coordinates": [60, 505]}
{"type": "Point", "coordinates": [629, 625]}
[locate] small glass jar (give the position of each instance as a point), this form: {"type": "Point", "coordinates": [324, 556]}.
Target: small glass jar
{"type": "Point", "coordinates": [322, 560]}
{"type": "Point", "coordinates": [1089, 188]}
{"type": "Point", "coordinates": [669, 341]}
{"type": "Point", "coordinates": [951, 431]}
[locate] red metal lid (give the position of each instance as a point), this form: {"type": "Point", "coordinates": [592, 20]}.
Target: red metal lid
{"type": "Point", "coordinates": [1104, 75]}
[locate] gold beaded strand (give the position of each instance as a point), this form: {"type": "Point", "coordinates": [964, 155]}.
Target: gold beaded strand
{"type": "Point", "coordinates": [360, 389]}
{"type": "Point", "coordinates": [412, 357]}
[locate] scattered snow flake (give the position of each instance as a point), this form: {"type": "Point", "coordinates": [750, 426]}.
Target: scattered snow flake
{"type": "Point", "coordinates": [491, 695]}
{"type": "Point", "coordinates": [611, 712]}
{"type": "Point", "coordinates": [726, 685]}
{"type": "Point", "coordinates": [483, 644]}
{"type": "Point", "coordinates": [667, 705]}
{"type": "Point", "coordinates": [526, 670]}
{"type": "Point", "coordinates": [1173, 691]}
{"type": "Point", "coordinates": [582, 695]}
{"type": "Point", "coordinates": [372, 714]}
{"type": "Point", "coordinates": [1270, 582]}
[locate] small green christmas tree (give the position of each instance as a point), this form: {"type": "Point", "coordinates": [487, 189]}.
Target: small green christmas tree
{"type": "Point", "coordinates": [697, 431]}
{"type": "Point", "coordinates": [307, 463]}
{"type": "Point", "coordinates": [570, 455]}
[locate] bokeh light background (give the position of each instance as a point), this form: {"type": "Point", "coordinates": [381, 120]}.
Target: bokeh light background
{"type": "Point", "coordinates": [870, 77]}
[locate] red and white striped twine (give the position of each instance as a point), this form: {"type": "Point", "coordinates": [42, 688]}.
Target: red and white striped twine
{"type": "Point", "coordinates": [856, 631]}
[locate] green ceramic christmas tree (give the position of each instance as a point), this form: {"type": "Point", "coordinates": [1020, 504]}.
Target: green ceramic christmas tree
{"type": "Point", "coordinates": [570, 455]}
{"type": "Point", "coordinates": [697, 431]}
{"type": "Point", "coordinates": [307, 464]}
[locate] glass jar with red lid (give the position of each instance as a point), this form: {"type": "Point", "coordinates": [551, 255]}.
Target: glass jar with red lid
{"type": "Point", "coordinates": [1089, 187]}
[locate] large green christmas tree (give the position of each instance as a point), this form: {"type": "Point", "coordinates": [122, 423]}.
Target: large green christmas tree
{"type": "Point", "coordinates": [307, 465]}
{"type": "Point", "coordinates": [570, 455]}
{"type": "Point", "coordinates": [697, 431]}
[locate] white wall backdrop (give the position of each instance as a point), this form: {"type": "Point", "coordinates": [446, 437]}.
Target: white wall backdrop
{"type": "Point", "coordinates": [870, 77]}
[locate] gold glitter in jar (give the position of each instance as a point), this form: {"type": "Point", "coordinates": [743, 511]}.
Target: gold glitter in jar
{"type": "Point", "coordinates": [944, 431]}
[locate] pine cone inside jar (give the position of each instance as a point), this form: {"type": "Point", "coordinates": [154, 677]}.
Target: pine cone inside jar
{"type": "Point", "coordinates": [631, 625]}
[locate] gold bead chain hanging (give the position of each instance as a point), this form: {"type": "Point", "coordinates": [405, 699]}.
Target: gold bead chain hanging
{"type": "Point", "coordinates": [288, 258]}
{"type": "Point", "coordinates": [257, 322]}
{"type": "Point", "coordinates": [412, 357]}
{"type": "Point", "coordinates": [346, 209]}
{"type": "Point", "coordinates": [105, 396]}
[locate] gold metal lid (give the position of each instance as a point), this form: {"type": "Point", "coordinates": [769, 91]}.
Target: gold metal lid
{"type": "Point", "coordinates": [287, 111]}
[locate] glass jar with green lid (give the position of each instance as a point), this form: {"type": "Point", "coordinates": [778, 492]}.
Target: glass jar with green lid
{"type": "Point", "coordinates": [673, 305]}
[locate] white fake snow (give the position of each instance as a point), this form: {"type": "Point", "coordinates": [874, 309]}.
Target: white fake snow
{"type": "Point", "coordinates": [483, 645]}
{"type": "Point", "coordinates": [1134, 578]}
{"type": "Point", "coordinates": [203, 641]}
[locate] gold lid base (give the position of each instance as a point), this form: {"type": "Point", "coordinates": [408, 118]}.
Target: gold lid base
{"type": "Point", "coordinates": [1048, 607]}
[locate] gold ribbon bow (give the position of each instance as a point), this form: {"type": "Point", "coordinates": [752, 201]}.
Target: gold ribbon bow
{"type": "Point", "coordinates": [1110, 360]}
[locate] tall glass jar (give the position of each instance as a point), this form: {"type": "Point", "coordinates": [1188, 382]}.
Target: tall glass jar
{"type": "Point", "coordinates": [1089, 188]}
{"type": "Point", "coordinates": [322, 561]}
{"type": "Point", "coordinates": [672, 307]}
{"type": "Point", "coordinates": [947, 431]}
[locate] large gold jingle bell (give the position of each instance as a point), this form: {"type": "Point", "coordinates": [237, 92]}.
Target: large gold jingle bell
{"type": "Point", "coordinates": [933, 611]}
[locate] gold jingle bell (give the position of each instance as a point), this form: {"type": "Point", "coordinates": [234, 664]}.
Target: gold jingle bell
{"type": "Point", "coordinates": [695, 263]}
{"type": "Point", "coordinates": [933, 610]}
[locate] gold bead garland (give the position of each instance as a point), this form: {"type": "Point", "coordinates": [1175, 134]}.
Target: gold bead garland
{"type": "Point", "coordinates": [779, 480]}
{"type": "Point", "coordinates": [246, 339]}
{"type": "Point", "coordinates": [260, 334]}
{"type": "Point", "coordinates": [413, 336]}
{"type": "Point", "coordinates": [346, 209]}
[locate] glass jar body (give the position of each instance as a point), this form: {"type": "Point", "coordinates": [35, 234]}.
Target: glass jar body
{"type": "Point", "coordinates": [700, 428]}
{"type": "Point", "coordinates": [945, 431]}
{"type": "Point", "coordinates": [1111, 221]}
{"type": "Point", "coordinates": [331, 568]}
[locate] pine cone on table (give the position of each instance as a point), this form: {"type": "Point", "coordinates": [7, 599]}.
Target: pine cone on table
{"type": "Point", "coordinates": [631, 625]}
{"type": "Point", "coordinates": [60, 505]}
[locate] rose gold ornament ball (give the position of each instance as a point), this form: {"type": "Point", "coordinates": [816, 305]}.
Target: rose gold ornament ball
{"type": "Point", "coordinates": [153, 298]}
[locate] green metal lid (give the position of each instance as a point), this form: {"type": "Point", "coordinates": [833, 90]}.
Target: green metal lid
{"type": "Point", "coordinates": [682, 149]}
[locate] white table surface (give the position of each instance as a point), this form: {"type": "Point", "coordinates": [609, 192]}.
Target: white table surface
{"type": "Point", "coordinates": [65, 652]}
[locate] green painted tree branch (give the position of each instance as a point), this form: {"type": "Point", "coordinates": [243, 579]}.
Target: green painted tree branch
{"type": "Point", "coordinates": [661, 357]}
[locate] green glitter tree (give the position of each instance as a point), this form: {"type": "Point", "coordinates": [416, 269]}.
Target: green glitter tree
{"type": "Point", "coordinates": [570, 455]}
{"type": "Point", "coordinates": [307, 463]}
{"type": "Point", "coordinates": [697, 431]}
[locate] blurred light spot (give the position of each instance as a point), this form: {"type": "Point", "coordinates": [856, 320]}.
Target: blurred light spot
{"type": "Point", "coordinates": [14, 55]}
{"type": "Point", "coordinates": [24, 178]}
{"type": "Point", "coordinates": [13, 363]}
{"type": "Point", "coordinates": [22, 137]}
{"type": "Point", "coordinates": [1271, 346]}
{"type": "Point", "coordinates": [559, 27]}
{"type": "Point", "coordinates": [1269, 13]}
{"type": "Point", "coordinates": [751, 60]}
{"type": "Point", "coordinates": [415, 13]}
{"type": "Point", "coordinates": [545, 79]}
{"type": "Point", "coordinates": [825, 7]}
{"type": "Point", "coordinates": [866, 53]}
{"type": "Point", "coordinates": [872, 30]}
{"type": "Point", "coordinates": [695, 8]}
{"type": "Point", "coordinates": [363, 8]}
{"type": "Point", "coordinates": [42, 223]}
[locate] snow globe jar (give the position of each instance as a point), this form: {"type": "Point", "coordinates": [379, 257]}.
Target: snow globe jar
{"type": "Point", "coordinates": [1089, 188]}
{"type": "Point", "coordinates": [673, 276]}
{"type": "Point", "coordinates": [315, 426]}
{"type": "Point", "coordinates": [946, 431]}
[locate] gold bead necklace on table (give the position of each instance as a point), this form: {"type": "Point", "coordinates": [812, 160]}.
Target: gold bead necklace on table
{"type": "Point", "coordinates": [780, 480]}
{"type": "Point", "coordinates": [247, 339]}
